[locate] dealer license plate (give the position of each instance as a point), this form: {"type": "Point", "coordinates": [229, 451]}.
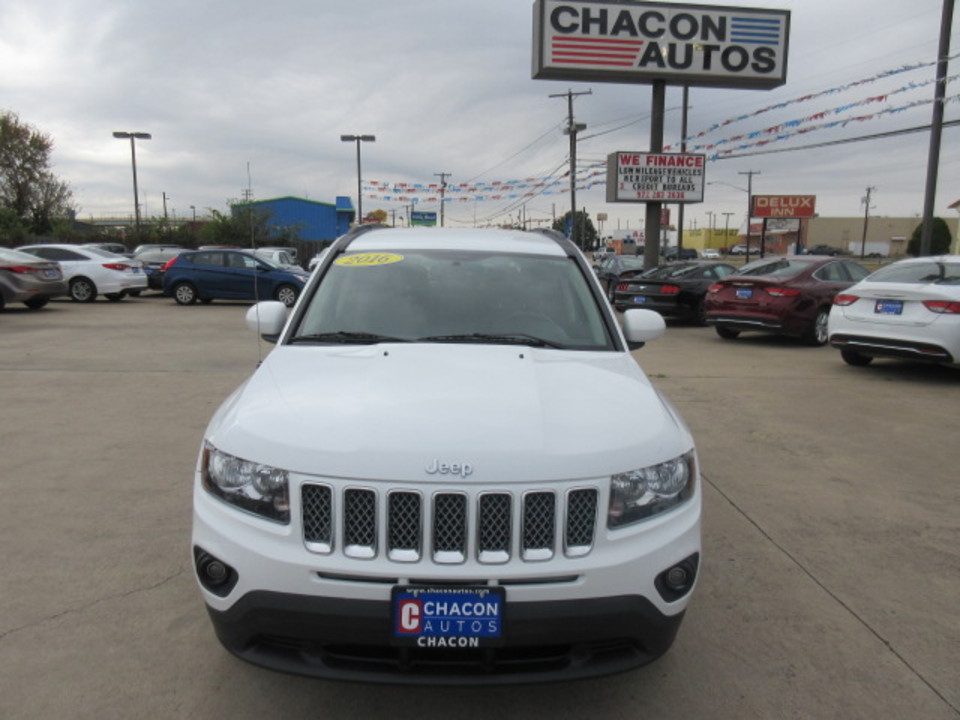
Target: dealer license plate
{"type": "Point", "coordinates": [888, 307]}
{"type": "Point", "coordinates": [640, 300]}
{"type": "Point", "coordinates": [448, 617]}
{"type": "Point", "coordinates": [744, 293]}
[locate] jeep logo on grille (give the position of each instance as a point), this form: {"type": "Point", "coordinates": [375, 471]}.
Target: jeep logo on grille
{"type": "Point", "coordinates": [440, 468]}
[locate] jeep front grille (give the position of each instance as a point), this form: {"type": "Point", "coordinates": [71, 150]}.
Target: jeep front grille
{"type": "Point", "coordinates": [449, 527]}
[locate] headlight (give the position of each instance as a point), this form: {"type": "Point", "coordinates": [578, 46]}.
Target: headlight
{"type": "Point", "coordinates": [260, 489]}
{"type": "Point", "coordinates": [640, 494]}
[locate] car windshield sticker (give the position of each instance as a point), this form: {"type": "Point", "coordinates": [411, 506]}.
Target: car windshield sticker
{"type": "Point", "coordinates": [368, 259]}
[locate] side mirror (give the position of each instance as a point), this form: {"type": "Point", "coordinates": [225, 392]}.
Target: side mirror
{"type": "Point", "coordinates": [642, 326]}
{"type": "Point", "coordinates": [267, 319]}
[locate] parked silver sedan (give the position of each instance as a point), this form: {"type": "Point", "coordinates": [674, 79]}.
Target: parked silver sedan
{"type": "Point", "coordinates": [28, 279]}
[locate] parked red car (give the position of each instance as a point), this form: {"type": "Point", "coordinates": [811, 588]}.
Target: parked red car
{"type": "Point", "coordinates": [782, 295]}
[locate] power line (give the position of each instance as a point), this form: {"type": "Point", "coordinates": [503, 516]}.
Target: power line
{"type": "Point", "coordinates": [860, 138]}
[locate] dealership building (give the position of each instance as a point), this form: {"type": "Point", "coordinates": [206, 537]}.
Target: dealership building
{"type": "Point", "coordinates": [886, 236]}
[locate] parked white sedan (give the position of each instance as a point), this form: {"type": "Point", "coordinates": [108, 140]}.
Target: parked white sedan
{"type": "Point", "coordinates": [908, 310]}
{"type": "Point", "coordinates": [91, 271]}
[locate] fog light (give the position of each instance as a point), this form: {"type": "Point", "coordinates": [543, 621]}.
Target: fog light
{"type": "Point", "coordinates": [214, 574]}
{"type": "Point", "coordinates": [677, 580]}
{"type": "Point", "coordinates": [217, 572]}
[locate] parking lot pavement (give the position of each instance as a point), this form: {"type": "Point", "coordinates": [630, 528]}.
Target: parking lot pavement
{"type": "Point", "coordinates": [830, 579]}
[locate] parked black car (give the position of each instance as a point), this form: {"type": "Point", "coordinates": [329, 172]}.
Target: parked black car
{"type": "Point", "coordinates": [824, 250]}
{"type": "Point", "coordinates": [674, 253]}
{"type": "Point", "coordinates": [610, 268]}
{"type": "Point", "coordinates": [675, 290]}
{"type": "Point", "coordinates": [153, 259]}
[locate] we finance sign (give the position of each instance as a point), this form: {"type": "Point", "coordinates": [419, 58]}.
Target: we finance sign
{"type": "Point", "coordinates": [643, 42]}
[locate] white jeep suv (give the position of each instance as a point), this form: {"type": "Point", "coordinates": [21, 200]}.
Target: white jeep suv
{"type": "Point", "coordinates": [450, 469]}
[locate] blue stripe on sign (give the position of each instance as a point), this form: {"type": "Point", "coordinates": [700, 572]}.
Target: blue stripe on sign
{"type": "Point", "coordinates": [761, 21]}
{"type": "Point", "coordinates": [755, 35]}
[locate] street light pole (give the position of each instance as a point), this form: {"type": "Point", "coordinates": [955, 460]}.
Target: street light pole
{"type": "Point", "coordinates": [120, 135]}
{"type": "Point", "coordinates": [358, 139]}
{"type": "Point", "coordinates": [750, 174]}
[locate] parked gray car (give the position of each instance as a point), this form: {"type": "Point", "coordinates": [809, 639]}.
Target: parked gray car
{"type": "Point", "coordinates": [28, 279]}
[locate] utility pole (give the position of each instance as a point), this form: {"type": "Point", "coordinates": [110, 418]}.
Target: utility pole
{"type": "Point", "coordinates": [683, 149]}
{"type": "Point", "coordinates": [749, 174]}
{"type": "Point", "coordinates": [726, 229]}
{"type": "Point", "coordinates": [936, 128]}
{"type": "Point", "coordinates": [572, 129]}
{"type": "Point", "coordinates": [443, 188]}
{"type": "Point", "coordinates": [866, 217]}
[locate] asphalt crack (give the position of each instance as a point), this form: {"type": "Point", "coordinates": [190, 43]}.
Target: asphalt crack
{"type": "Point", "coordinates": [93, 603]}
{"type": "Point", "coordinates": [853, 613]}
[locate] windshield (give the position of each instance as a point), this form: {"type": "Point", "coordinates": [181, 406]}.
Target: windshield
{"type": "Point", "coordinates": [101, 252]}
{"type": "Point", "coordinates": [15, 256]}
{"type": "Point", "coordinates": [455, 296]}
{"type": "Point", "coordinates": [671, 271]}
{"type": "Point", "coordinates": [919, 273]}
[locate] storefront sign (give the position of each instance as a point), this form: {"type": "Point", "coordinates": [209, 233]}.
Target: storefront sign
{"type": "Point", "coordinates": [784, 206]}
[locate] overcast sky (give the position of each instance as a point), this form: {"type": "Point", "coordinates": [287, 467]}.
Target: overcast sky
{"type": "Point", "coordinates": [251, 94]}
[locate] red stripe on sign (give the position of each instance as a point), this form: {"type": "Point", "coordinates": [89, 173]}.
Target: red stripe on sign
{"type": "Point", "coordinates": [607, 55]}
{"type": "Point", "coordinates": [557, 42]}
{"type": "Point", "coordinates": [559, 61]}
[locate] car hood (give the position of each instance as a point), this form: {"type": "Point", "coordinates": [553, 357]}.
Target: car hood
{"type": "Point", "coordinates": [389, 411]}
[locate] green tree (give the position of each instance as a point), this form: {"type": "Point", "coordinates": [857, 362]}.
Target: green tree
{"type": "Point", "coordinates": [27, 185]}
{"type": "Point", "coordinates": [586, 235]}
{"type": "Point", "coordinates": [247, 226]}
{"type": "Point", "coordinates": [940, 239]}
{"type": "Point", "coordinates": [12, 230]}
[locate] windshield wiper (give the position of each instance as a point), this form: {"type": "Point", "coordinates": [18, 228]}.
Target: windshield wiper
{"type": "Point", "coordinates": [346, 337]}
{"type": "Point", "coordinates": [505, 339]}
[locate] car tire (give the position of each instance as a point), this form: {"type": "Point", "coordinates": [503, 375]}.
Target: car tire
{"type": "Point", "coordinates": [133, 293]}
{"type": "Point", "coordinates": [852, 357]}
{"type": "Point", "coordinates": [700, 313]}
{"type": "Point", "coordinates": [32, 303]}
{"type": "Point", "coordinates": [82, 290]}
{"type": "Point", "coordinates": [727, 333]}
{"type": "Point", "coordinates": [185, 293]}
{"type": "Point", "coordinates": [287, 294]}
{"type": "Point", "coordinates": [817, 332]}
{"type": "Point", "coordinates": [116, 297]}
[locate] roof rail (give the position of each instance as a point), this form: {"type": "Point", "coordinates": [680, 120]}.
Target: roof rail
{"type": "Point", "coordinates": [356, 231]}
{"type": "Point", "coordinates": [558, 237]}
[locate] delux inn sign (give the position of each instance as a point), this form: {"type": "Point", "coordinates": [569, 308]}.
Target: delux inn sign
{"type": "Point", "coordinates": [642, 42]}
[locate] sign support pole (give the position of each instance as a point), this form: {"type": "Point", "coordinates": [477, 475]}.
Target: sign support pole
{"type": "Point", "coordinates": [651, 228]}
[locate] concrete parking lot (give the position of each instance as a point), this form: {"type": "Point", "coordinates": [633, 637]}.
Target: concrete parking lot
{"type": "Point", "coordinates": [831, 576]}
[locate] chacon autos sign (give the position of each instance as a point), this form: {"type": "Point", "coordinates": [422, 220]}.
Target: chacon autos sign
{"type": "Point", "coordinates": [642, 42]}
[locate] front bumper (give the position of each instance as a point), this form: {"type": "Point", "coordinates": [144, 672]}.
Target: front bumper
{"type": "Point", "coordinates": [349, 640]}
